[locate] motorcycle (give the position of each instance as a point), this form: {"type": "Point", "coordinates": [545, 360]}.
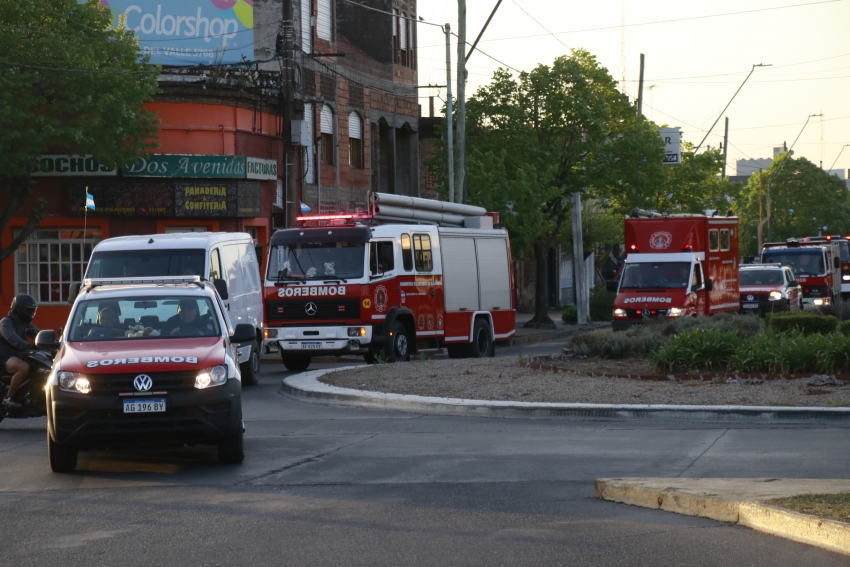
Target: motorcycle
{"type": "Point", "coordinates": [31, 393]}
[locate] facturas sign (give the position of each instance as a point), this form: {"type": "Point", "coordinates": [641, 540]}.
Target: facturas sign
{"type": "Point", "coordinates": [175, 165]}
{"type": "Point", "coordinates": [189, 32]}
{"type": "Point", "coordinates": [256, 168]}
{"type": "Point", "coordinates": [65, 165]}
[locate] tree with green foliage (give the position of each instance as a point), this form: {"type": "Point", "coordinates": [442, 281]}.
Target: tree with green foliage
{"type": "Point", "coordinates": [534, 140]}
{"type": "Point", "coordinates": [803, 199]}
{"type": "Point", "coordinates": [70, 83]}
{"type": "Point", "coordinates": [695, 184]}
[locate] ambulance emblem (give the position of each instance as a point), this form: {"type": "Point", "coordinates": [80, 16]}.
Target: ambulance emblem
{"type": "Point", "coordinates": [439, 321]}
{"type": "Point", "coordinates": [430, 322]}
{"type": "Point", "coordinates": [660, 240]}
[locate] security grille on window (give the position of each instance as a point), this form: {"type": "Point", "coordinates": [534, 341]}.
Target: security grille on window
{"type": "Point", "coordinates": [327, 125]}
{"type": "Point", "coordinates": [50, 260]}
{"type": "Point", "coordinates": [278, 193]}
{"type": "Point", "coordinates": [355, 141]}
{"type": "Point", "coordinates": [324, 20]}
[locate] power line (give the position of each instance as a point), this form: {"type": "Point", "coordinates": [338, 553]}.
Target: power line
{"type": "Point", "coordinates": [541, 25]}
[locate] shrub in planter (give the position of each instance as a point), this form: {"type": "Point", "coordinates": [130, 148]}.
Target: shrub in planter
{"type": "Point", "coordinates": [570, 315]}
{"type": "Point", "coordinates": [711, 348]}
{"type": "Point", "coordinates": [605, 343]}
{"type": "Point", "coordinates": [794, 353]}
{"type": "Point", "coordinates": [801, 323]}
{"type": "Point", "coordinates": [742, 325]}
{"type": "Point", "coordinates": [601, 303]}
{"type": "Point", "coordinates": [844, 327]}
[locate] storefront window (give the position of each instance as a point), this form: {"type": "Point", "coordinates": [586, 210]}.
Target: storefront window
{"type": "Point", "coordinates": [48, 261]}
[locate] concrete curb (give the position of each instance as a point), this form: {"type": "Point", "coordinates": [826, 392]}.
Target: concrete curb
{"type": "Point", "coordinates": [306, 386]}
{"type": "Point", "coordinates": [812, 530]}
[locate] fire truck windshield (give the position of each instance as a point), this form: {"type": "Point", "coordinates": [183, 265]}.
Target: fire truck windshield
{"type": "Point", "coordinates": [317, 261]}
{"type": "Point", "coordinates": [803, 261]}
{"type": "Point", "coordinates": [641, 275]}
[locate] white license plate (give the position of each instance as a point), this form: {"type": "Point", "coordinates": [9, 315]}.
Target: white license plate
{"type": "Point", "coordinates": [144, 406]}
{"type": "Point", "coordinates": [750, 305]}
{"type": "Point", "coordinates": [311, 346]}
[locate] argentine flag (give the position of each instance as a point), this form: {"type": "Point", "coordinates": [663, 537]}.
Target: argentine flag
{"type": "Point", "coordinates": [304, 208]}
{"type": "Point", "coordinates": [89, 201]}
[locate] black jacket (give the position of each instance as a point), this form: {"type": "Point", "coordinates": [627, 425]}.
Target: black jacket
{"type": "Point", "coordinates": [13, 335]}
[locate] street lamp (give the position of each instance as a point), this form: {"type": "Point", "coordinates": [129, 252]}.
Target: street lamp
{"type": "Point", "coordinates": [836, 157]}
{"type": "Point", "coordinates": [730, 102]}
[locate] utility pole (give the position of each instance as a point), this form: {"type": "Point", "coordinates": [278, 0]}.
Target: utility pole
{"type": "Point", "coordinates": [460, 143]}
{"type": "Point", "coordinates": [580, 279]}
{"type": "Point", "coordinates": [640, 89]}
{"type": "Point", "coordinates": [761, 222]}
{"type": "Point", "coordinates": [449, 121]}
{"type": "Point", "coordinates": [725, 148]}
{"type": "Point", "coordinates": [288, 45]}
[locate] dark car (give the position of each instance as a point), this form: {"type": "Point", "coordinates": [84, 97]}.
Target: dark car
{"type": "Point", "coordinates": [766, 288]}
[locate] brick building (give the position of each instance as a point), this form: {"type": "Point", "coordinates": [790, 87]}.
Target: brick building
{"type": "Point", "coordinates": [221, 162]}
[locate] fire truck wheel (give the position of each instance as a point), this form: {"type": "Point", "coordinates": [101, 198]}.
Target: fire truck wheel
{"type": "Point", "coordinates": [398, 349]}
{"type": "Point", "coordinates": [251, 368]}
{"type": "Point", "coordinates": [482, 344]}
{"type": "Point", "coordinates": [295, 362]}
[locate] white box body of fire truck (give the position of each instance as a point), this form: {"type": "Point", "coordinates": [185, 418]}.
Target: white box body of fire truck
{"type": "Point", "coordinates": [382, 286]}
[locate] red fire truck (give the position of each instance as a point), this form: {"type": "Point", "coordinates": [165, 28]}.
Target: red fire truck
{"type": "Point", "coordinates": [844, 251]}
{"type": "Point", "coordinates": [816, 265]}
{"type": "Point", "coordinates": [411, 273]}
{"type": "Point", "coordinates": [677, 265]}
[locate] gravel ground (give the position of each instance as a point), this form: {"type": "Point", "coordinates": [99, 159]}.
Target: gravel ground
{"type": "Point", "coordinates": [504, 379]}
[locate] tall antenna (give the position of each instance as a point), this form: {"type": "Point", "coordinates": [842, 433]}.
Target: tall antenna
{"type": "Point", "coordinates": [623, 43]}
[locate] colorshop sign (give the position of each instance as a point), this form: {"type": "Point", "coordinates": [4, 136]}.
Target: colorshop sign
{"type": "Point", "coordinates": [189, 32]}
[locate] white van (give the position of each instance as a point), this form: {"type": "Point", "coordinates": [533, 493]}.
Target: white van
{"type": "Point", "coordinates": [227, 259]}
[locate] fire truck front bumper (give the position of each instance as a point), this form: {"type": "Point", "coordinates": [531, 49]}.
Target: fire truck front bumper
{"type": "Point", "coordinates": [354, 339]}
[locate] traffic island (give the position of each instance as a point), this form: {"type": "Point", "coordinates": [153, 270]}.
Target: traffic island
{"type": "Point", "coordinates": [749, 502]}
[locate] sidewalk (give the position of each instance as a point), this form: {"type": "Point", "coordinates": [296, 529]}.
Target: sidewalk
{"type": "Point", "coordinates": [739, 501]}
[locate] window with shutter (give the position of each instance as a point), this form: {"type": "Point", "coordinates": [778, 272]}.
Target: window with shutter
{"type": "Point", "coordinates": [403, 37]}
{"type": "Point", "coordinates": [306, 27]}
{"type": "Point", "coordinates": [327, 129]}
{"type": "Point", "coordinates": [396, 50]}
{"type": "Point", "coordinates": [355, 141]}
{"type": "Point", "coordinates": [324, 20]}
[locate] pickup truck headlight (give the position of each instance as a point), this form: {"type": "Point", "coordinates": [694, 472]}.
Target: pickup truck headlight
{"type": "Point", "coordinates": [675, 312]}
{"type": "Point", "coordinates": [209, 377]}
{"type": "Point", "coordinates": [74, 382]}
{"type": "Point", "coordinates": [775, 295]}
{"type": "Point", "coordinates": [619, 313]}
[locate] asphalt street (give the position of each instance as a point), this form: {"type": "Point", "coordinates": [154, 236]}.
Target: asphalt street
{"type": "Point", "coordinates": [324, 485]}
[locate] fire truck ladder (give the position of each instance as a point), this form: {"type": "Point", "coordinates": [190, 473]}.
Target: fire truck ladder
{"type": "Point", "coordinates": [400, 209]}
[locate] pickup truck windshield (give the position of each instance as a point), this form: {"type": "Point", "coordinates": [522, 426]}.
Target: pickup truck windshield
{"type": "Point", "coordinates": [317, 261]}
{"type": "Point", "coordinates": [137, 318]}
{"type": "Point", "coordinates": [640, 275]}
{"type": "Point", "coordinates": [803, 262]}
{"type": "Point", "coordinates": [762, 277]}
{"type": "Point", "coordinates": [146, 263]}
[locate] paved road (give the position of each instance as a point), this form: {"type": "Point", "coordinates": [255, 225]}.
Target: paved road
{"type": "Point", "coordinates": [323, 485]}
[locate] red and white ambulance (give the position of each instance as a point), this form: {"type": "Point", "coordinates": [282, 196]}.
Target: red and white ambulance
{"type": "Point", "coordinates": [816, 265]}
{"type": "Point", "coordinates": [409, 274]}
{"type": "Point", "coordinates": [677, 265]}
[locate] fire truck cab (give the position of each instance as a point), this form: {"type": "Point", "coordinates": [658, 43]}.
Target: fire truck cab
{"type": "Point", "coordinates": [677, 265]}
{"type": "Point", "coordinates": [384, 285]}
{"type": "Point", "coordinates": [844, 252]}
{"type": "Point", "coordinates": [816, 265]}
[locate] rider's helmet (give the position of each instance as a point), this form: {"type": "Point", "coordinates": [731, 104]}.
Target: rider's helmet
{"type": "Point", "coordinates": [24, 307]}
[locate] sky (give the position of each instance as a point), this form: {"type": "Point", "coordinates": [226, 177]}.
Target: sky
{"type": "Point", "coordinates": [696, 55]}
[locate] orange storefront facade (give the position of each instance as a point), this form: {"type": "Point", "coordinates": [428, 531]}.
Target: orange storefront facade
{"type": "Point", "coordinates": [219, 167]}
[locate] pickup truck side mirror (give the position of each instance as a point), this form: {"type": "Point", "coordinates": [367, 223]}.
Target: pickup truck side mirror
{"type": "Point", "coordinates": [793, 283]}
{"type": "Point", "coordinates": [709, 285]}
{"type": "Point", "coordinates": [244, 333]}
{"type": "Point", "coordinates": [221, 288]}
{"type": "Point", "coordinates": [47, 340]}
{"type": "Point", "coordinates": [73, 290]}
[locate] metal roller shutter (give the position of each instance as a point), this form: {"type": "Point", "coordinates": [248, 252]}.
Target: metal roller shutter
{"type": "Point", "coordinates": [403, 27]}
{"type": "Point", "coordinates": [460, 273]}
{"type": "Point", "coordinates": [355, 129]}
{"type": "Point", "coordinates": [493, 273]}
{"type": "Point", "coordinates": [306, 28]}
{"type": "Point", "coordinates": [308, 163]}
{"type": "Point", "coordinates": [327, 121]}
{"type": "Point", "coordinates": [323, 20]}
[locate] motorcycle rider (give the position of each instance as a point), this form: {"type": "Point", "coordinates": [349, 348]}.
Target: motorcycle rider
{"type": "Point", "coordinates": [15, 328]}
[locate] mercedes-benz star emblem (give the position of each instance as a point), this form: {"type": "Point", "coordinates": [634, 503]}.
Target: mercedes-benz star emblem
{"type": "Point", "coordinates": [311, 309]}
{"type": "Point", "coordinates": [143, 382]}
{"type": "Point", "coordinates": [750, 298]}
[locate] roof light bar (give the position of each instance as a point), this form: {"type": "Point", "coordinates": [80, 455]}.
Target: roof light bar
{"type": "Point", "coordinates": [94, 282]}
{"type": "Point", "coordinates": [327, 217]}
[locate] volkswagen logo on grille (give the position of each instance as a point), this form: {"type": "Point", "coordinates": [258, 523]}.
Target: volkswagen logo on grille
{"type": "Point", "coordinates": [750, 298]}
{"type": "Point", "coordinates": [311, 309]}
{"type": "Point", "coordinates": [143, 382]}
